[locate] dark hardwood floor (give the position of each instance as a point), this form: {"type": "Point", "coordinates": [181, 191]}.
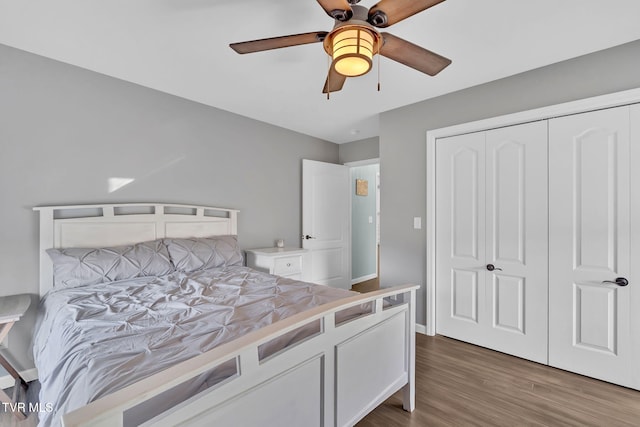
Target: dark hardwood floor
{"type": "Point", "coordinates": [459, 384]}
{"type": "Point", "coordinates": [367, 286]}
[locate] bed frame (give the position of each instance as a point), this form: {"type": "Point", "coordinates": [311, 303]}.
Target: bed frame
{"type": "Point", "coordinates": [333, 378]}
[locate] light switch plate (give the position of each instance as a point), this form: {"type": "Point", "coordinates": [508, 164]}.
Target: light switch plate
{"type": "Point", "coordinates": [417, 222]}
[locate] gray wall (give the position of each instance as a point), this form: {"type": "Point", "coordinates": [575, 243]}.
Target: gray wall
{"type": "Point", "coordinates": [363, 234]}
{"type": "Point", "coordinates": [65, 131]}
{"type": "Point", "coordinates": [403, 142]}
{"type": "Point", "coordinates": [363, 149]}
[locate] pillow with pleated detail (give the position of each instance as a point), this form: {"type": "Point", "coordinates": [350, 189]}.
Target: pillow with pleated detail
{"type": "Point", "coordinates": [202, 253]}
{"type": "Point", "coordinates": [89, 266]}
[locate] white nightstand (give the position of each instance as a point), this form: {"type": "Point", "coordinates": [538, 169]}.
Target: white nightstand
{"type": "Point", "coordinates": [287, 262]}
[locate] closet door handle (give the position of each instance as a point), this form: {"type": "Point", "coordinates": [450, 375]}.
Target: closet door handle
{"type": "Point", "coordinates": [492, 267]}
{"type": "Point", "coordinates": [620, 281]}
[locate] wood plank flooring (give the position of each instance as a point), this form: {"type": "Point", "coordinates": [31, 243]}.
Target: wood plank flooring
{"type": "Point", "coordinates": [459, 384]}
{"type": "Point", "coordinates": [367, 286]}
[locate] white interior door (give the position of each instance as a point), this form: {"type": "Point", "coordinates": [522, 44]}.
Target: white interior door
{"type": "Point", "coordinates": [592, 323]}
{"type": "Point", "coordinates": [326, 220]}
{"type": "Point", "coordinates": [491, 242]}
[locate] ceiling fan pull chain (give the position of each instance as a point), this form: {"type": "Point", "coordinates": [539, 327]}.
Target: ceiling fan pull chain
{"type": "Point", "coordinates": [329, 61]}
{"type": "Point", "coordinates": [329, 78]}
{"type": "Point", "coordinates": [378, 72]}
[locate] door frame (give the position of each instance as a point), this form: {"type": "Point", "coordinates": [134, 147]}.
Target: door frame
{"type": "Point", "coordinates": [616, 99]}
{"type": "Point", "coordinates": [374, 161]}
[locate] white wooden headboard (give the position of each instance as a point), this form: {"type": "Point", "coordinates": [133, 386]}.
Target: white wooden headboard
{"type": "Point", "coordinates": [96, 226]}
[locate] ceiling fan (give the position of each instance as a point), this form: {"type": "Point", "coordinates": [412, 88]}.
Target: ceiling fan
{"type": "Point", "coordinates": [355, 39]}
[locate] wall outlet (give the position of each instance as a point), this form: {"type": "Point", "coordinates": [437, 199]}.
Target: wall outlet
{"type": "Point", "coordinates": [417, 222]}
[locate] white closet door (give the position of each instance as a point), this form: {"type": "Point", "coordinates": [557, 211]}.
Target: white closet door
{"type": "Point", "coordinates": [517, 239]}
{"type": "Point", "coordinates": [491, 241]}
{"type": "Point", "coordinates": [589, 314]}
{"type": "Point", "coordinates": [460, 228]}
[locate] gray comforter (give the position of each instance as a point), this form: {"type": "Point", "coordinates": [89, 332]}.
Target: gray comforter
{"type": "Point", "coordinates": [93, 340]}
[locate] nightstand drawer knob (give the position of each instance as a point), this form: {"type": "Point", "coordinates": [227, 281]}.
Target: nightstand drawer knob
{"type": "Point", "coordinates": [287, 265]}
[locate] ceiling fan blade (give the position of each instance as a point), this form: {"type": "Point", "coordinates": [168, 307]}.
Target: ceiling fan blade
{"type": "Point", "coordinates": [278, 42]}
{"type": "Point", "coordinates": [412, 55]}
{"type": "Point", "coordinates": [337, 9]}
{"type": "Point", "coordinates": [334, 82]}
{"type": "Point", "coordinates": [387, 12]}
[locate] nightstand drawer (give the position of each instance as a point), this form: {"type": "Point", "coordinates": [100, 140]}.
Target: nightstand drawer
{"type": "Point", "coordinates": [286, 262]}
{"type": "Point", "coordinates": [287, 265]}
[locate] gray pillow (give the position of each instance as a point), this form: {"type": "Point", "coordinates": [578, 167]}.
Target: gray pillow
{"type": "Point", "coordinates": [197, 254]}
{"type": "Point", "coordinates": [88, 266]}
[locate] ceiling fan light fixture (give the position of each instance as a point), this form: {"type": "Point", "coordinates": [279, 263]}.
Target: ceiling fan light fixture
{"type": "Point", "coordinates": [352, 50]}
{"type": "Point", "coordinates": [355, 40]}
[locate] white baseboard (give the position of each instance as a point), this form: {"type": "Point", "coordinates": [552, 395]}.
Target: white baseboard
{"type": "Point", "coordinates": [363, 278]}
{"type": "Point", "coordinates": [28, 375]}
{"type": "Point", "coordinates": [421, 329]}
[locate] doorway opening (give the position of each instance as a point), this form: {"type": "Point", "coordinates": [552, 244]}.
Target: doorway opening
{"type": "Point", "coordinates": [365, 225]}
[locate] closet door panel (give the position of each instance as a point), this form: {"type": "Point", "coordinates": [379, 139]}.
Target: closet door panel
{"type": "Point", "coordinates": [596, 208]}
{"type": "Point", "coordinates": [589, 215]}
{"type": "Point", "coordinates": [460, 214]}
{"type": "Point", "coordinates": [516, 239]}
{"type": "Point", "coordinates": [507, 198]}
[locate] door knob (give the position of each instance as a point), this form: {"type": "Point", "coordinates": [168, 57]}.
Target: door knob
{"type": "Point", "coordinates": [492, 267]}
{"type": "Point", "coordinates": [620, 281]}
{"type": "Point", "coordinates": [307, 237]}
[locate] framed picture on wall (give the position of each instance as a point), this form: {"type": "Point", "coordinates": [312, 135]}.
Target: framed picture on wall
{"type": "Point", "coordinates": [362, 187]}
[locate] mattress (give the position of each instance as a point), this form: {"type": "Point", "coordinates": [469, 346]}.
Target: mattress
{"type": "Point", "coordinates": [95, 339]}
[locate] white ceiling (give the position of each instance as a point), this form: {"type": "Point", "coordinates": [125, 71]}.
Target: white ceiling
{"type": "Point", "coordinates": [181, 47]}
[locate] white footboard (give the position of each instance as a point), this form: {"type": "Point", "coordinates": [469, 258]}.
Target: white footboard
{"type": "Point", "coordinates": [333, 378]}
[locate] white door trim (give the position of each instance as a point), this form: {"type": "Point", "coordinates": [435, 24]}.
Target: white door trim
{"type": "Point", "coordinates": [574, 107]}
{"type": "Point", "coordinates": [363, 162]}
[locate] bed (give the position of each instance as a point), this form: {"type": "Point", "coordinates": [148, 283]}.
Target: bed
{"type": "Point", "coordinates": [163, 325]}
